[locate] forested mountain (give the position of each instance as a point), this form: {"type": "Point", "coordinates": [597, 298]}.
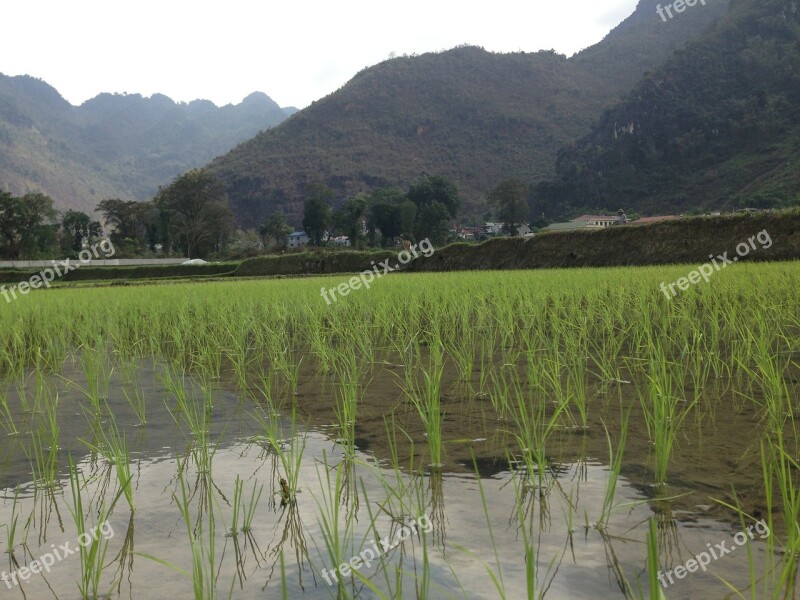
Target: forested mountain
{"type": "Point", "coordinates": [473, 116]}
{"type": "Point", "coordinates": [717, 126]}
{"type": "Point", "coordinates": [115, 145]}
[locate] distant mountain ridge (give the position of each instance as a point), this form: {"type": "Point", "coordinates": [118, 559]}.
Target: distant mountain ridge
{"type": "Point", "coordinates": [473, 116]}
{"type": "Point", "coordinates": [114, 145]}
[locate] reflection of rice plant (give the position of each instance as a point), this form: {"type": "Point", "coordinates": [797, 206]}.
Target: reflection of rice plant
{"type": "Point", "coordinates": [93, 547]}
{"type": "Point", "coordinates": [202, 541]}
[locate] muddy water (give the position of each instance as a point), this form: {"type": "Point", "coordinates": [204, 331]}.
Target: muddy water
{"type": "Point", "coordinates": [464, 541]}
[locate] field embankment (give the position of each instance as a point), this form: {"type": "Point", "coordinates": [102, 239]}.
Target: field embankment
{"type": "Point", "coordinates": [312, 263]}
{"type": "Point", "coordinates": [683, 241]}
{"type": "Point", "coordinates": [303, 263]}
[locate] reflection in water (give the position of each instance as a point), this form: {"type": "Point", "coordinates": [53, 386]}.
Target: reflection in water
{"type": "Point", "coordinates": [289, 528]}
{"type": "Point", "coordinates": [436, 508]}
{"type": "Point", "coordinates": [125, 559]}
{"type": "Point", "coordinates": [348, 488]}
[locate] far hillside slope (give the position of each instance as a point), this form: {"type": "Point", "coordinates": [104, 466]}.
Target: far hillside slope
{"type": "Point", "coordinates": [468, 114]}
{"type": "Point", "coordinates": [716, 127]}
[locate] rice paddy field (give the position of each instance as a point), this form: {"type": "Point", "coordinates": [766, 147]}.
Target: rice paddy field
{"type": "Point", "coordinates": [543, 434]}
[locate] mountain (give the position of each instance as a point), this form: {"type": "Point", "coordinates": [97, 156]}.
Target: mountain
{"type": "Point", "coordinates": [471, 115]}
{"type": "Point", "coordinates": [114, 145]}
{"type": "Point", "coordinates": [716, 127]}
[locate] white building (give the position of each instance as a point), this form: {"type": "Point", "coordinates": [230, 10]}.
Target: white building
{"type": "Point", "coordinates": [297, 239]}
{"type": "Point", "coordinates": [597, 220]}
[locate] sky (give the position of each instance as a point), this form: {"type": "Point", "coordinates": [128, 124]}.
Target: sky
{"type": "Point", "coordinates": [295, 52]}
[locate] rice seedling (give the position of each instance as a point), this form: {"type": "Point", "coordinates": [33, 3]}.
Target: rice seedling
{"type": "Point", "coordinates": [6, 417]}
{"type": "Point", "coordinates": [137, 401]}
{"type": "Point", "coordinates": [11, 526]}
{"type": "Point", "coordinates": [782, 489]}
{"type": "Point", "coordinates": [243, 507]}
{"type": "Point", "coordinates": [614, 468]}
{"type": "Point", "coordinates": [42, 454]}
{"type": "Point", "coordinates": [97, 373]}
{"type": "Point", "coordinates": [114, 447]}
{"type": "Point", "coordinates": [289, 446]}
{"type": "Point", "coordinates": [426, 398]}
{"type": "Point", "coordinates": [663, 411]}
{"type": "Point", "coordinates": [346, 368]}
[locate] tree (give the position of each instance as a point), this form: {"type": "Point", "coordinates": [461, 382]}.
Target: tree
{"type": "Point", "coordinates": [510, 200]}
{"type": "Point", "coordinates": [79, 228]}
{"type": "Point", "coordinates": [433, 223]}
{"type": "Point", "coordinates": [24, 224]}
{"type": "Point", "coordinates": [383, 214]}
{"type": "Point", "coordinates": [429, 190]}
{"type": "Point", "coordinates": [317, 212]}
{"type": "Point", "coordinates": [437, 202]}
{"type": "Point", "coordinates": [408, 216]}
{"type": "Point", "coordinates": [196, 211]}
{"type": "Point", "coordinates": [385, 217]}
{"type": "Point", "coordinates": [126, 218]}
{"type": "Point", "coordinates": [348, 218]}
{"type": "Point", "coordinates": [275, 227]}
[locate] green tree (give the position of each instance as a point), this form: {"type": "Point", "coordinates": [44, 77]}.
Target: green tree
{"type": "Point", "coordinates": [408, 216]}
{"type": "Point", "coordinates": [510, 200]}
{"type": "Point", "coordinates": [383, 214]}
{"type": "Point", "coordinates": [78, 229]}
{"type": "Point", "coordinates": [195, 210]}
{"type": "Point", "coordinates": [25, 227]}
{"type": "Point", "coordinates": [349, 217]}
{"type": "Point", "coordinates": [433, 223]}
{"type": "Point", "coordinates": [430, 190]}
{"type": "Point", "coordinates": [317, 212]}
{"type": "Point", "coordinates": [127, 220]}
{"type": "Point", "coordinates": [275, 227]}
{"type": "Point", "coordinates": [385, 217]}
{"type": "Point", "coordinates": [438, 202]}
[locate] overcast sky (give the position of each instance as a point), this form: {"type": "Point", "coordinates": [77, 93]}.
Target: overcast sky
{"type": "Point", "coordinates": [296, 51]}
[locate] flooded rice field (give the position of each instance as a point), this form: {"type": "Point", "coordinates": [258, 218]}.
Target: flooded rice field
{"type": "Point", "coordinates": [550, 434]}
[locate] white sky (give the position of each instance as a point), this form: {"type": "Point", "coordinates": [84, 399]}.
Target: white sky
{"type": "Point", "coordinates": [296, 51]}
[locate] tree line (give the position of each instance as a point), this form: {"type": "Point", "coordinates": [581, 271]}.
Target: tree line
{"type": "Point", "coordinates": [192, 216]}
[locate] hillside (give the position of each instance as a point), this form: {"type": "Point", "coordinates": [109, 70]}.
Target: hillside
{"type": "Point", "coordinates": [113, 145]}
{"type": "Point", "coordinates": [716, 127]}
{"type": "Point", "coordinates": [471, 115]}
